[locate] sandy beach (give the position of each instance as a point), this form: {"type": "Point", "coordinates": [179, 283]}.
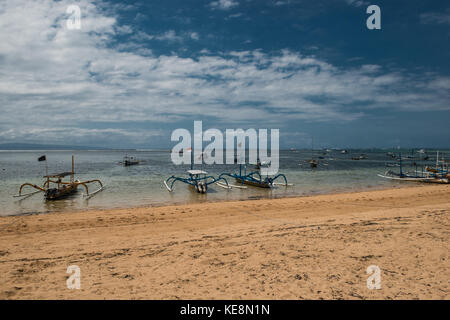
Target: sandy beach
{"type": "Point", "coordinates": [316, 247]}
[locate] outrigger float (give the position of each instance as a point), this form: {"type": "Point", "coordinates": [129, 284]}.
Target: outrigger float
{"type": "Point", "coordinates": [254, 178]}
{"type": "Point", "coordinates": [61, 188]}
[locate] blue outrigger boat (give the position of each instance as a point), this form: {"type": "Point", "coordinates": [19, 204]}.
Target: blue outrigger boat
{"type": "Point", "coordinates": [197, 179]}
{"type": "Point", "coordinates": [254, 178]}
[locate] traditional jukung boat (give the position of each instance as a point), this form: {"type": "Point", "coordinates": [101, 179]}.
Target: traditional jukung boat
{"type": "Point", "coordinates": [313, 163]}
{"type": "Point", "coordinates": [198, 179]}
{"type": "Point", "coordinates": [429, 175]}
{"type": "Point", "coordinates": [55, 188]}
{"type": "Point", "coordinates": [361, 157]}
{"type": "Point", "coordinates": [129, 161]}
{"type": "Point", "coordinates": [254, 178]}
{"type": "Point", "coordinates": [440, 171]}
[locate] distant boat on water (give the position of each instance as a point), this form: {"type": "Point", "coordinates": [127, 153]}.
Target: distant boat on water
{"type": "Point", "coordinates": [361, 157]}
{"type": "Point", "coordinates": [313, 163]}
{"type": "Point", "coordinates": [130, 161]}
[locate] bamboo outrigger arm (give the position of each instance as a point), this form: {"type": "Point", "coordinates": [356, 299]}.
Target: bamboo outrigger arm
{"type": "Point", "coordinates": [222, 184]}
{"type": "Point", "coordinates": [196, 182]}
{"type": "Point", "coordinates": [281, 184]}
{"type": "Point", "coordinates": [84, 184]}
{"type": "Point", "coordinates": [94, 180]}
{"type": "Point", "coordinates": [171, 180]}
{"type": "Point", "coordinates": [28, 194]}
{"type": "Point", "coordinates": [221, 176]}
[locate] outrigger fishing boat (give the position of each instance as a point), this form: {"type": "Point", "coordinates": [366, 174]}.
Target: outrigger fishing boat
{"type": "Point", "coordinates": [440, 171]}
{"type": "Point", "coordinates": [198, 179]}
{"type": "Point", "coordinates": [360, 157]}
{"type": "Point", "coordinates": [55, 188]}
{"type": "Point", "coordinates": [130, 161]}
{"type": "Point", "coordinates": [313, 163]}
{"type": "Point", "coordinates": [254, 178]}
{"type": "Point", "coordinates": [427, 174]}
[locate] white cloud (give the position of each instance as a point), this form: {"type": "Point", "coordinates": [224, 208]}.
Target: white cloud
{"type": "Point", "coordinates": [51, 77]}
{"type": "Point", "coordinates": [435, 17]}
{"type": "Point", "coordinates": [195, 36]}
{"type": "Point", "coordinates": [142, 36]}
{"type": "Point", "coordinates": [357, 3]}
{"type": "Point", "coordinates": [235, 15]}
{"type": "Point", "coordinates": [124, 29]}
{"type": "Point", "coordinates": [170, 35]}
{"type": "Point", "coordinates": [442, 83]}
{"type": "Point", "coordinates": [223, 4]}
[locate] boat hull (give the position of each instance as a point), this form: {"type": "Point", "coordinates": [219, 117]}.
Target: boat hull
{"type": "Point", "coordinates": [61, 192]}
{"type": "Point", "coordinates": [130, 163]}
{"type": "Point", "coordinates": [416, 179]}
{"type": "Point", "coordinates": [254, 183]}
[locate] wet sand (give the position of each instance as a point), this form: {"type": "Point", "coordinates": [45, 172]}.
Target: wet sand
{"type": "Point", "coordinates": [316, 247]}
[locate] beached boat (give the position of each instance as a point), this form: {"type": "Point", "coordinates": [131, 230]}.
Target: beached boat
{"type": "Point", "coordinates": [55, 188]}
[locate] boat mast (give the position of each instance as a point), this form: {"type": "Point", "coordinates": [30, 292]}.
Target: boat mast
{"type": "Point", "coordinates": [437, 159]}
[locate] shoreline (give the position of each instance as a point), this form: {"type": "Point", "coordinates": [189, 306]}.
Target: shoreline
{"type": "Point", "coordinates": [307, 247]}
{"type": "Point", "coordinates": [250, 198]}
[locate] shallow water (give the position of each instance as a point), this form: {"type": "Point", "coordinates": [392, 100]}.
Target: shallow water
{"type": "Point", "coordinates": [142, 185]}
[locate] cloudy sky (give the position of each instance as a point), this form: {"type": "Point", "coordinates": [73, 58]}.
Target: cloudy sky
{"type": "Point", "coordinates": [136, 70]}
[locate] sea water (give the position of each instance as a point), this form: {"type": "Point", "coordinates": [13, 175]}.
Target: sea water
{"type": "Point", "coordinates": [142, 185]}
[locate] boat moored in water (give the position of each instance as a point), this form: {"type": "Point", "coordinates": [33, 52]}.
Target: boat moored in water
{"type": "Point", "coordinates": [55, 188]}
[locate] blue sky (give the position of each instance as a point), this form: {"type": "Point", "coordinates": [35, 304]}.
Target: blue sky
{"type": "Point", "coordinates": [136, 70]}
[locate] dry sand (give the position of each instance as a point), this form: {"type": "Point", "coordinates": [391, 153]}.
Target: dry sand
{"type": "Point", "coordinates": [296, 248]}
